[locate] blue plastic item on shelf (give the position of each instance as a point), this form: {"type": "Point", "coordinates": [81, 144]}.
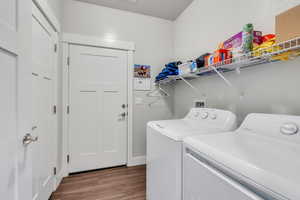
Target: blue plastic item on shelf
{"type": "Point", "coordinates": [169, 70]}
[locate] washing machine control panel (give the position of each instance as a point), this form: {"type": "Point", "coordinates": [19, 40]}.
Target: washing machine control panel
{"type": "Point", "coordinates": [213, 117]}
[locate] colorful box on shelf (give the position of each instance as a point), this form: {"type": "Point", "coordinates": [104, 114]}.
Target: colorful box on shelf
{"type": "Point", "coordinates": [235, 43]}
{"type": "Point", "coordinates": [287, 25]}
{"type": "Point", "coordinates": [222, 55]}
{"type": "Point", "coordinates": [218, 56]}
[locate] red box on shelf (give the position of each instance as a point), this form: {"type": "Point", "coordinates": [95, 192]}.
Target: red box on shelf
{"type": "Point", "coordinates": [222, 55]}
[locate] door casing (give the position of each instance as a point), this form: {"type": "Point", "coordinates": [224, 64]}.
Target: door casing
{"type": "Point", "coordinates": [69, 39]}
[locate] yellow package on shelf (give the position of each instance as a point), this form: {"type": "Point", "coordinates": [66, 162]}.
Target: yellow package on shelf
{"type": "Point", "coordinates": [287, 55]}
{"type": "Point", "coordinates": [265, 48]}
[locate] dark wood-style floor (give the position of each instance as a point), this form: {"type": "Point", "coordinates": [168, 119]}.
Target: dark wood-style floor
{"type": "Point", "coordinates": [120, 183]}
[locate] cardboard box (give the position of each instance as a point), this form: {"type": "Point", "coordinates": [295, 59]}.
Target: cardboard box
{"type": "Point", "coordinates": [287, 24]}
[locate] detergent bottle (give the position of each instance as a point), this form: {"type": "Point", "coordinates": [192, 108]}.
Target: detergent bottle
{"type": "Point", "coordinates": [247, 45]}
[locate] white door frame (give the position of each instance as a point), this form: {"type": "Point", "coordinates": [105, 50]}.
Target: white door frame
{"type": "Point", "coordinates": [76, 39]}
{"type": "Point", "coordinates": [48, 13]}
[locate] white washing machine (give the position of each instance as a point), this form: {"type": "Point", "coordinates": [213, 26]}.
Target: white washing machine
{"type": "Point", "coordinates": [259, 161]}
{"type": "Point", "coordinates": [164, 148]}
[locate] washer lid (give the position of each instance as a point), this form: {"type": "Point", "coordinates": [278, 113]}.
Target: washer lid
{"type": "Point", "coordinates": [182, 128]}
{"type": "Point", "coordinates": [265, 162]}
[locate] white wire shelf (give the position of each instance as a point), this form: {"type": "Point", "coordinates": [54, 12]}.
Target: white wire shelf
{"type": "Point", "coordinates": [253, 58]}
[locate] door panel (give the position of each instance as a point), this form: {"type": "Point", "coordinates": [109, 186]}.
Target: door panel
{"type": "Point", "coordinates": [8, 142]}
{"type": "Point", "coordinates": [46, 139]}
{"type": "Point", "coordinates": [86, 146]}
{"type": "Point", "coordinates": [98, 89]}
{"type": "Point", "coordinates": [8, 27]}
{"type": "Point", "coordinates": [113, 136]}
{"type": "Point", "coordinates": [43, 45]}
{"type": "Point", "coordinates": [8, 14]}
{"type": "Point", "coordinates": [43, 152]}
{"type": "Point", "coordinates": [36, 107]}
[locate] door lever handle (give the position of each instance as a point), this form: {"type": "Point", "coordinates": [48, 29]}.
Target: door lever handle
{"type": "Point", "coordinates": [28, 139]}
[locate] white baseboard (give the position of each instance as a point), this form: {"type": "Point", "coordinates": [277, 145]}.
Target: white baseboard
{"type": "Point", "coordinates": [136, 161]}
{"type": "Point", "coordinates": [59, 177]}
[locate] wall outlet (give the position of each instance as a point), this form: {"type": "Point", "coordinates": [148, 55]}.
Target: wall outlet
{"type": "Point", "coordinates": [199, 104]}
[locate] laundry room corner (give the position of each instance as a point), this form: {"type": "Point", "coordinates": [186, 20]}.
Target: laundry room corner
{"type": "Point", "coordinates": [150, 99]}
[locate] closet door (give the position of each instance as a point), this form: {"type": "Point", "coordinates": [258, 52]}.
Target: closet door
{"type": "Point", "coordinates": [43, 126]}
{"type": "Point", "coordinates": [15, 112]}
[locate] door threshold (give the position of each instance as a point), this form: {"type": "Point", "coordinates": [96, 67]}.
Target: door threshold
{"type": "Point", "coordinates": [95, 170]}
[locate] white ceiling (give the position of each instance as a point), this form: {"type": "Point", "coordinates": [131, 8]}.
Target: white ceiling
{"type": "Point", "coordinates": [166, 9]}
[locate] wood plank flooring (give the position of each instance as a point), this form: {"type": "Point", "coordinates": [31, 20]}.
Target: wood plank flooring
{"type": "Point", "coordinates": [120, 183]}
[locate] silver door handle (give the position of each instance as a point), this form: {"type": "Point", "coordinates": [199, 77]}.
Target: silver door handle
{"type": "Point", "coordinates": [28, 139]}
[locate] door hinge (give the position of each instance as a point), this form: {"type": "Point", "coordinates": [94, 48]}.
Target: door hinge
{"type": "Point", "coordinates": [54, 109]}
{"type": "Point", "coordinates": [68, 61]}
{"type": "Point", "coordinates": [55, 48]}
{"type": "Point", "coordinates": [54, 170]}
{"type": "Point", "coordinates": [68, 159]}
{"type": "Point", "coordinates": [68, 109]}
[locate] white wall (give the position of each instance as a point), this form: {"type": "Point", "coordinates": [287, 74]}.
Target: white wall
{"type": "Point", "coordinates": [270, 88]}
{"type": "Point", "coordinates": [154, 46]}
{"type": "Point", "coordinates": [56, 6]}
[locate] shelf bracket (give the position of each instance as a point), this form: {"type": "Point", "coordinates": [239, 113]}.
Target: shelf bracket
{"type": "Point", "coordinates": [163, 93]}
{"type": "Point", "coordinates": [221, 75]}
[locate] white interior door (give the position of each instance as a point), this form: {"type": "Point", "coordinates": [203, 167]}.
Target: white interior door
{"type": "Point", "coordinates": [98, 108]}
{"type": "Point", "coordinates": [15, 168]}
{"type": "Point", "coordinates": [43, 126]}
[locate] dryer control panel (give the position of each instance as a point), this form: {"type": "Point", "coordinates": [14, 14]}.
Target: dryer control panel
{"type": "Point", "coordinates": [213, 117]}
{"type": "Point", "coordinates": [285, 127]}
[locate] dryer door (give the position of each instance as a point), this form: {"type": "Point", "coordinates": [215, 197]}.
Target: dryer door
{"type": "Point", "coordinates": [203, 182]}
